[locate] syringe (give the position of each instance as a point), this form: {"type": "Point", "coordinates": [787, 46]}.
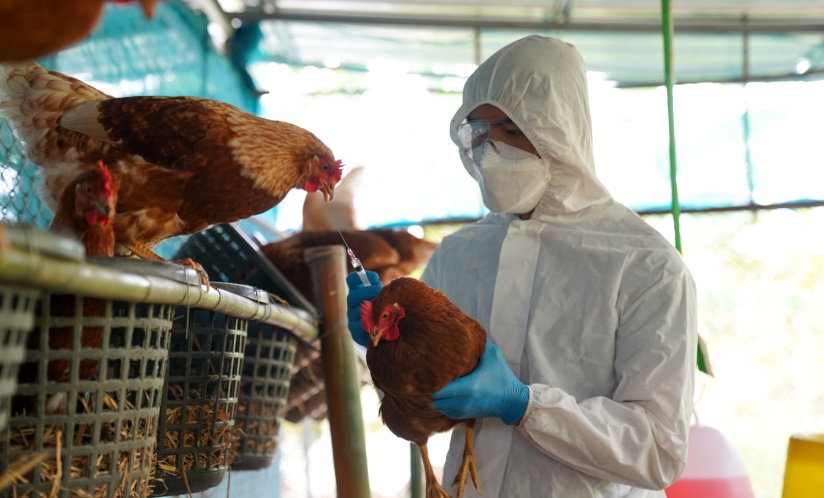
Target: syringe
{"type": "Point", "coordinates": [355, 263]}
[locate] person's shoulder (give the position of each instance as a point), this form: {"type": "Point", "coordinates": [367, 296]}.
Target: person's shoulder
{"type": "Point", "coordinates": [626, 223]}
{"type": "Point", "coordinates": [488, 227]}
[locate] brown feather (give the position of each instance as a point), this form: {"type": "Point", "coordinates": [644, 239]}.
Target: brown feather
{"type": "Point", "coordinates": [438, 343]}
{"type": "Point", "coordinates": [287, 254]}
{"type": "Point", "coordinates": [184, 163]}
{"type": "Point", "coordinates": [34, 29]}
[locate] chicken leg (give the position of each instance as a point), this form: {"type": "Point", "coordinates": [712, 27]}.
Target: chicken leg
{"type": "Point", "coordinates": [433, 487]}
{"type": "Point", "coordinates": [141, 251]}
{"type": "Point", "coordinates": [468, 463]}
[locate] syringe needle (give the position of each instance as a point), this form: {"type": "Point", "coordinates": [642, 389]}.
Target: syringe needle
{"type": "Point", "coordinates": [356, 264]}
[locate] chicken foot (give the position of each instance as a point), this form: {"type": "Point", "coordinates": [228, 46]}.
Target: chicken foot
{"type": "Point", "coordinates": [468, 463]}
{"type": "Point", "coordinates": [141, 251]}
{"type": "Point", "coordinates": [433, 487]}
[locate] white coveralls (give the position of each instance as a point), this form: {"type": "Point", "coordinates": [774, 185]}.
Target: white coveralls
{"type": "Point", "coordinates": [594, 310]}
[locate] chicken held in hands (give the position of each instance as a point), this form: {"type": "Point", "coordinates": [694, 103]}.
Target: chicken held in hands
{"type": "Point", "coordinates": [418, 342]}
{"type": "Point", "coordinates": [183, 163]}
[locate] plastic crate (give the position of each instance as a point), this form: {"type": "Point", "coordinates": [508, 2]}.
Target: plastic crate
{"type": "Point", "coordinates": [264, 391]}
{"type": "Point", "coordinates": [17, 305]}
{"type": "Point", "coordinates": [229, 255]}
{"type": "Point", "coordinates": [196, 432]}
{"type": "Point", "coordinates": [100, 440]}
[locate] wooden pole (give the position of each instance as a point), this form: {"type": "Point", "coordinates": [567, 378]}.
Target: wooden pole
{"type": "Point", "coordinates": [328, 267]}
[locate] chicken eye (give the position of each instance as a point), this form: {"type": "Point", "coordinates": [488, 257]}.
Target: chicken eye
{"type": "Point", "coordinates": [385, 316]}
{"type": "Point", "coordinates": [326, 167]}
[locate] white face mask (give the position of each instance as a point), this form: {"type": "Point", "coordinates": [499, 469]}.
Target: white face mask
{"type": "Point", "coordinates": [512, 180]}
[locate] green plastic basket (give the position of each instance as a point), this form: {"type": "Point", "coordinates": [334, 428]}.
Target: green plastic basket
{"type": "Point", "coordinates": [99, 441]}
{"type": "Point", "coordinates": [196, 433]}
{"type": "Point", "coordinates": [264, 391]}
{"type": "Point", "coordinates": [17, 305]}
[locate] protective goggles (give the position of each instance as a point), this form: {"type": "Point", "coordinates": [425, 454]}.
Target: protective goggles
{"type": "Point", "coordinates": [472, 134]}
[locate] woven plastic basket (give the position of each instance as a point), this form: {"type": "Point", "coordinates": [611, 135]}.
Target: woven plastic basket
{"type": "Point", "coordinates": [86, 413]}
{"type": "Point", "coordinates": [196, 433]}
{"type": "Point", "coordinates": [264, 390]}
{"type": "Point", "coordinates": [229, 255]}
{"type": "Point", "coordinates": [16, 321]}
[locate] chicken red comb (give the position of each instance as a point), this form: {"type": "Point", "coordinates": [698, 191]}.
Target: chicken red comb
{"type": "Point", "coordinates": [107, 177]}
{"type": "Point", "coordinates": [366, 315]}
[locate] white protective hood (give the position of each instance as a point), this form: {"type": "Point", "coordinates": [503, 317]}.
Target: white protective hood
{"type": "Point", "coordinates": [593, 309]}
{"type": "Point", "coordinates": [540, 83]}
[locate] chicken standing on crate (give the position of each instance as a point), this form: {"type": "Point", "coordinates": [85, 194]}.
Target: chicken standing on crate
{"type": "Point", "coordinates": [183, 163]}
{"type": "Point", "coordinates": [86, 209]}
{"type": "Point", "coordinates": [418, 342]}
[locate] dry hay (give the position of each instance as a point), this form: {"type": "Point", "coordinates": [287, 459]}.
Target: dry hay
{"type": "Point", "coordinates": [208, 430]}
{"type": "Point", "coordinates": [259, 437]}
{"type": "Point", "coordinates": [49, 458]}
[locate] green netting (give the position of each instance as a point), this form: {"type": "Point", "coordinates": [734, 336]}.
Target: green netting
{"type": "Point", "coordinates": [126, 54]}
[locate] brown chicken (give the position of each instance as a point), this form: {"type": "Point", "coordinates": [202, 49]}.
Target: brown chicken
{"type": "Point", "coordinates": [413, 253]}
{"type": "Point", "coordinates": [389, 253]}
{"type": "Point", "coordinates": [86, 209]}
{"type": "Point", "coordinates": [183, 163]}
{"type": "Point", "coordinates": [33, 29]}
{"type": "Point", "coordinates": [287, 254]}
{"type": "Point", "coordinates": [419, 342]}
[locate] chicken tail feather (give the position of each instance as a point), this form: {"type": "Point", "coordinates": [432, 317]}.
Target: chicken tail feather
{"type": "Point", "coordinates": [33, 99]}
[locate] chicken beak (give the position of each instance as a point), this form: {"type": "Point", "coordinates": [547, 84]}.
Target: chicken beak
{"type": "Point", "coordinates": [328, 190]}
{"type": "Point", "coordinates": [376, 337]}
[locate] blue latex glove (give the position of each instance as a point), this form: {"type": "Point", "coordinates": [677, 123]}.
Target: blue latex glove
{"type": "Point", "coordinates": [491, 390]}
{"type": "Point", "coordinates": [359, 293]}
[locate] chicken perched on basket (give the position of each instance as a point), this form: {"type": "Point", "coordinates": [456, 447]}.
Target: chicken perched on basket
{"type": "Point", "coordinates": [85, 209]}
{"type": "Point", "coordinates": [183, 163]}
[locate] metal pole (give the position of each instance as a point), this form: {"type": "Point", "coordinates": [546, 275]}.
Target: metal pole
{"type": "Point", "coordinates": [669, 78]}
{"type": "Point", "coordinates": [328, 267]}
{"type": "Point", "coordinates": [416, 487]}
{"type": "Point", "coordinates": [745, 117]}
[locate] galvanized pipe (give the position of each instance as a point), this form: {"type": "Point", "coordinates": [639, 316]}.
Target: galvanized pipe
{"type": "Point", "coordinates": [728, 24]}
{"type": "Point", "coordinates": [328, 268]}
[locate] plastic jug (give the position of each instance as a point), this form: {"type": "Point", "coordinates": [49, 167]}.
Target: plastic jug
{"type": "Point", "coordinates": [804, 474]}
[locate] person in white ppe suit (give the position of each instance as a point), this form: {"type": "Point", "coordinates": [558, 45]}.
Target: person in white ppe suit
{"type": "Point", "coordinates": [589, 391]}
